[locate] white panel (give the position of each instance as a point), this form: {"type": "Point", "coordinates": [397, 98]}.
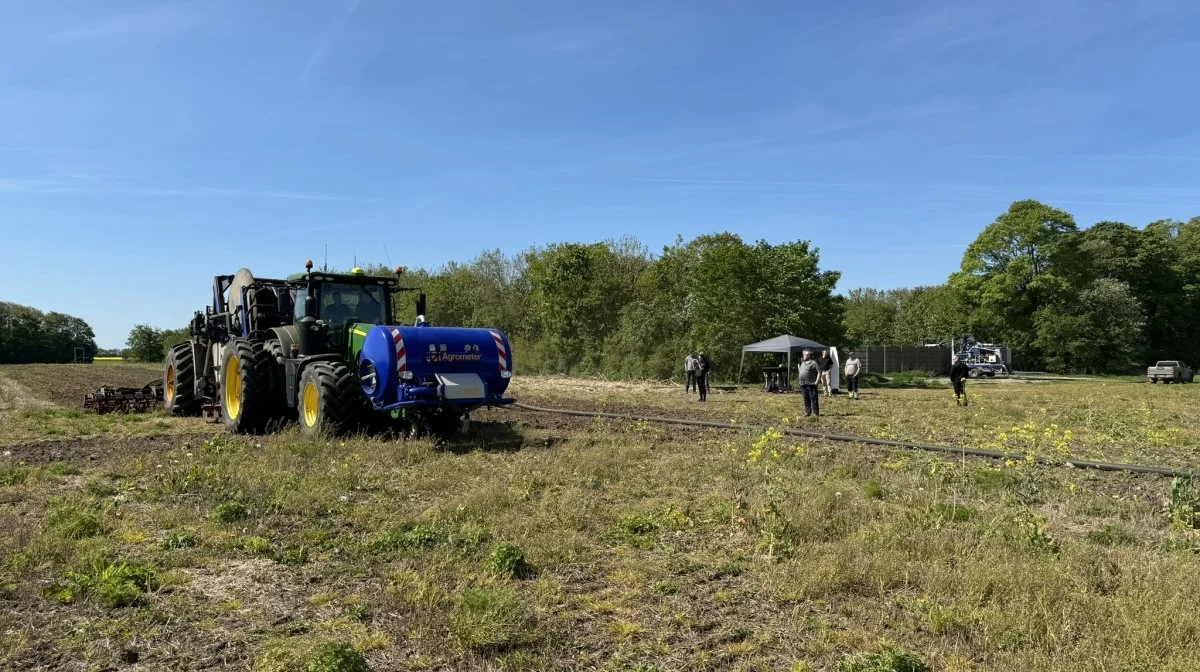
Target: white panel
{"type": "Point", "coordinates": [461, 386]}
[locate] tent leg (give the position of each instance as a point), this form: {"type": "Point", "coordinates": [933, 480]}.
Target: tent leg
{"type": "Point", "coordinates": [740, 367]}
{"type": "Point", "coordinates": [789, 370]}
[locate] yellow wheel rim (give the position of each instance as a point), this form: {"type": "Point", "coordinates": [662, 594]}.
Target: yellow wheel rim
{"type": "Point", "coordinates": [310, 404]}
{"type": "Point", "coordinates": [233, 388]}
{"type": "Point", "coordinates": [170, 384]}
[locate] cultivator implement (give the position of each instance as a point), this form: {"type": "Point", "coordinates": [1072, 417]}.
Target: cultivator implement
{"type": "Point", "coordinates": [124, 399]}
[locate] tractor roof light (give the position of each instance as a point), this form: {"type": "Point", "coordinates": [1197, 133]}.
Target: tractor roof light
{"type": "Point", "coordinates": [308, 265]}
{"type": "Point", "coordinates": [357, 272]}
{"type": "Point", "coordinates": [399, 270]}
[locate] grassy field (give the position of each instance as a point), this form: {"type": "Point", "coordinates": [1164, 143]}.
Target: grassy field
{"type": "Point", "coordinates": [547, 542]}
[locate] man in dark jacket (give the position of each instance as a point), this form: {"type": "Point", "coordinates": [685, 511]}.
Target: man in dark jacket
{"type": "Point", "coordinates": [810, 373]}
{"type": "Point", "coordinates": [826, 364]}
{"type": "Point", "coordinates": [958, 376]}
{"type": "Point", "coordinates": [702, 367]}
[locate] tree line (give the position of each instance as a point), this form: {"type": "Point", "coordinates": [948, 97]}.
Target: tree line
{"type": "Point", "coordinates": [614, 309]}
{"type": "Point", "coordinates": [27, 335]}
{"type": "Point", "coordinates": [1106, 299]}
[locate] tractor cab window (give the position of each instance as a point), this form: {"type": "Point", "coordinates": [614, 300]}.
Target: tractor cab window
{"type": "Point", "coordinates": [346, 302]}
{"type": "Point", "coordinates": [301, 296]}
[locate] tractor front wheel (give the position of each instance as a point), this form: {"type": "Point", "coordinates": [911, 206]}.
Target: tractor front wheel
{"type": "Point", "coordinates": [246, 400]}
{"type": "Point", "coordinates": [973, 373]}
{"type": "Point", "coordinates": [179, 381]}
{"type": "Point", "coordinates": [330, 399]}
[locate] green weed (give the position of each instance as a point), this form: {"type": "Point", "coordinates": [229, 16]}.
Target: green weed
{"type": "Point", "coordinates": [257, 546]}
{"type": "Point", "coordinates": [1182, 509]}
{"type": "Point", "coordinates": [179, 540]}
{"type": "Point", "coordinates": [78, 520]}
{"type": "Point", "coordinates": [113, 584]}
{"type": "Point", "coordinates": [62, 469]}
{"type": "Point", "coordinates": [889, 659]}
{"type": "Point", "coordinates": [297, 656]}
{"type": "Point", "coordinates": [491, 619]}
{"type": "Point", "coordinates": [14, 474]}
{"type": "Point", "coordinates": [1111, 535]}
{"type": "Point", "coordinates": [230, 512]}
{"type": "Point", "coordinates": [336, 657]}
{"type": "Point", "coordinates": [873, 490]}
{"type": "Point", "coordinates": [637, 524]}
{"type": "Point", "coordinates": [507, 560]}
{"type": "Point", "coordinates": [995, 479]}
{"type": "Point", "coordinates": [406, 537]}
{"type": "Point", "coordinates": [952, 513]}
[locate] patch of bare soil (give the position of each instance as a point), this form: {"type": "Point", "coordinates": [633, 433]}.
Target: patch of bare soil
{"type": "Point", "coordinates": [87, 451]}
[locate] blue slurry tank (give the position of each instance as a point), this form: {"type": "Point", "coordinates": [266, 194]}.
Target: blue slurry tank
{"type": "Point", "coordinates": [402, 366]}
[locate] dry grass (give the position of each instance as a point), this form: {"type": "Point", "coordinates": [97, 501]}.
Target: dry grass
{"type": "Point", "coordinates": [606, 545]}
{"type": "Point", "coordinates": [1112, 419]}
{"type": "Point", "coordinates": [44, 402]}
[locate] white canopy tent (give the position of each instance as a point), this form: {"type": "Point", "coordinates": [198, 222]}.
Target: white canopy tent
{"type": "Point", "coordinates": [783, 345]}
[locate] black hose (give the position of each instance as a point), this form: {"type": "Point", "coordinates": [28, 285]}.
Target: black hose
{"type": "Point", "coordinates": [973, 452]}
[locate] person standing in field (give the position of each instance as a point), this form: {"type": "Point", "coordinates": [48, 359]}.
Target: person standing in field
{"type": "Point", "coordinates": [702, 367]}
{"type": "Point", "coordinates": [853, 368]}
{"type": "Point", "coordinates": [958, 376]}
{"type": "Point", "coordinates": [826, 365]}
{"type": "Point", "coordinates": [689, 371]}
{"type": "Point", "coordinates": [809, 375]}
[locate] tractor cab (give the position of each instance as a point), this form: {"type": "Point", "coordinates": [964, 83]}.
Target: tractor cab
{"type": "Point", "coordinates": [331, 311]}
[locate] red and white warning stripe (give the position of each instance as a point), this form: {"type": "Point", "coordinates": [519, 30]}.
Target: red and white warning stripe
{"type": "Point", "coordinates": [401, 355]}
{"type": "Point", "coordinates": [502, 350]}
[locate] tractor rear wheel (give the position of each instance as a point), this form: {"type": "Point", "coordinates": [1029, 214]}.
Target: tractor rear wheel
{"type": "Point", "coordinates": [278, 375]}
{"type": "Point", "coordinates": [179, 381]}
{"type": "Point", "coordinates": [973, 373]}
{"type": "Point", "coordinates": [330, 399]}
{"type": "Point", "coordinates": [245, 387]}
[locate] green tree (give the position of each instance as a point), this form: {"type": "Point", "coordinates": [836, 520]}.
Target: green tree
{"type": "Point", "coordinates": [871, 317]}
{"type": "Point", "coordinates": [28, 335]}
{"type": "Point", "coordinates": [173, 337]}
{"type": "Point", "coordinates": [930, 315]}
{"type": "Point", "coordinates": [577, 292]}
{"type": "Point", "coordinates": [1099, 331]}
{"type": "Point", "coordinates": [739, 293]}
{"type": "Point", "coordinates": [652, 336]}
{"type": "Point", "coordinates": [1020, 263]}
{"type": "Point", "coordinates": [145, 344]}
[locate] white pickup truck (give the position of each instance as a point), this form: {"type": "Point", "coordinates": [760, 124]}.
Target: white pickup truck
{"type": "Point", "coordinates": [1169, 371]}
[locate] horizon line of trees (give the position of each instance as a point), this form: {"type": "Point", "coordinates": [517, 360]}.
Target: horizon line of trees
{"type": "Point", "coordinates": [1108, 298]}
{"type": "Point", "coordinates": [29, 336]}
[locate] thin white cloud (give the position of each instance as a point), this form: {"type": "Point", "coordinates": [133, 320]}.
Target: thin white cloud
{"type": "Point", "coordinates": [1161, 191]}
{"type": "Point", "coordinates": [44, 185]}
{"type": "Point", "coordinates": [80, 176]}
{"type": "Point", "coordinates": [325, 43]}
{"type": "Point", "coordinates": [1185, 158]}
{"type": "Point", "coordinates": [157, 21]}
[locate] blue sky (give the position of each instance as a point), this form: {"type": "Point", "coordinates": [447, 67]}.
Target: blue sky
{"type": "Point", "coordinates": [146, 146]}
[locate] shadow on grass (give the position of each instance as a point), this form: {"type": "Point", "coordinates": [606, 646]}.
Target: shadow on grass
{"type": "Point", "coordinates": [488, 436]}
{"type": "Point", "coordinates": [901, 380]}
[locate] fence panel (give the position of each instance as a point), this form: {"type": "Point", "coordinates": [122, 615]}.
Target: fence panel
{"type": "Point", "coordinates": [894, 359]}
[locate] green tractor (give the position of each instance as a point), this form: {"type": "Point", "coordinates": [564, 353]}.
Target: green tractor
{"type": "Point", "coordinates": [323, 349]}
